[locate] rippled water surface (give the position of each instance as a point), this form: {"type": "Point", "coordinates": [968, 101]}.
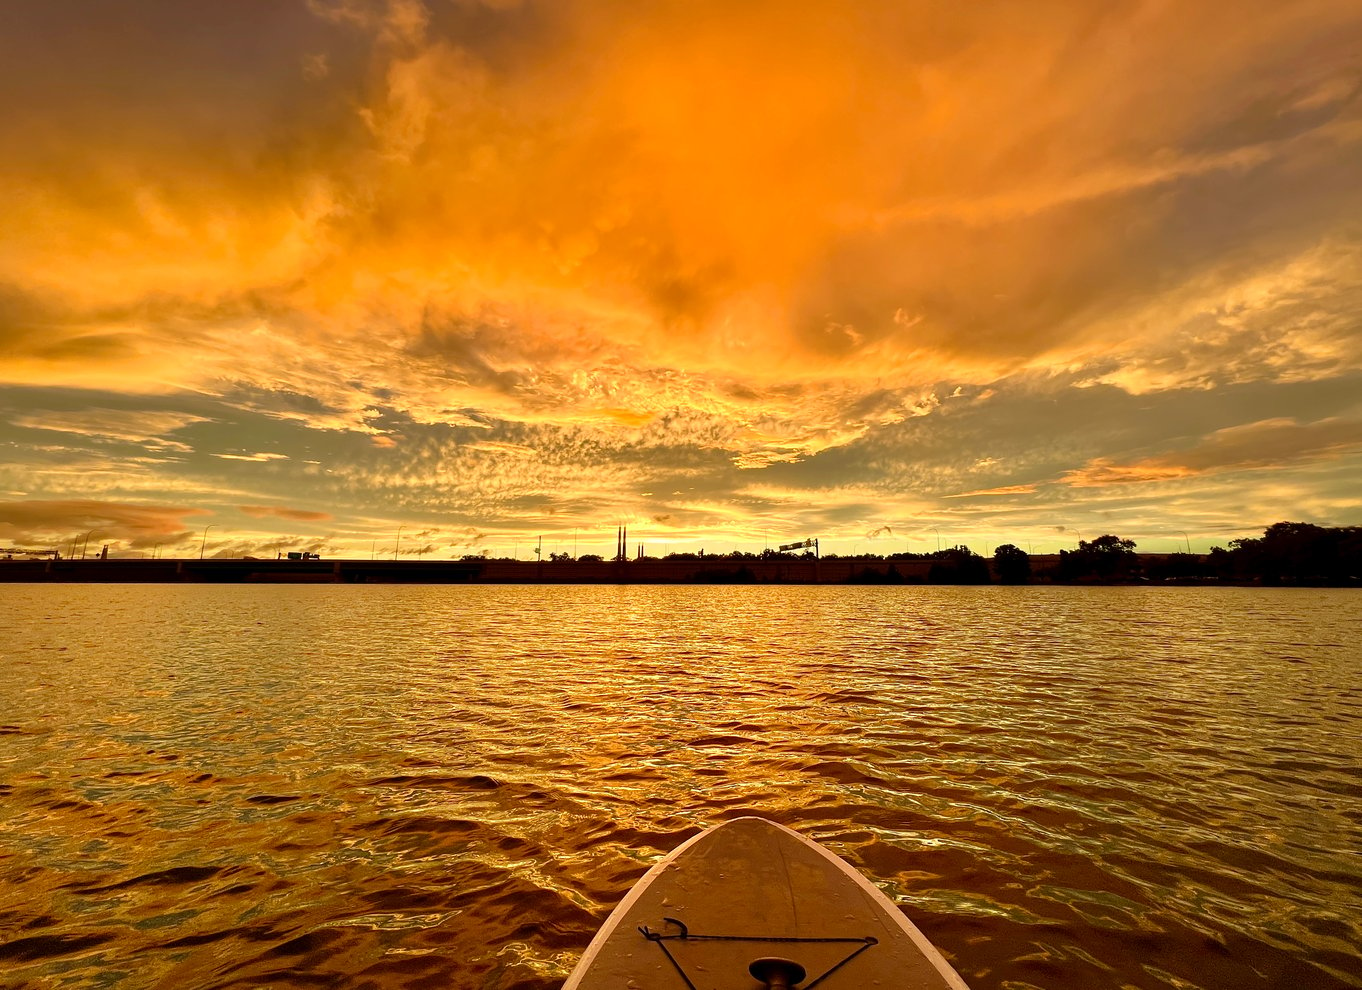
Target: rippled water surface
{"type": "Point", "coordinates": [450, 787]}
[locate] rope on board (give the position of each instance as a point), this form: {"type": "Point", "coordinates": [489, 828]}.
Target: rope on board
{"type": "Point", "coordinates": [685, 935]}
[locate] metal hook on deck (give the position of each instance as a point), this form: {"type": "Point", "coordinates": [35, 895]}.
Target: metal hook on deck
{"type": "Point", "coordinates": [653, 936]}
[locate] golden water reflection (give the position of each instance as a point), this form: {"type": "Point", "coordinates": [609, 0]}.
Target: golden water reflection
{"type": "Point", "coordinates": [390, 787]}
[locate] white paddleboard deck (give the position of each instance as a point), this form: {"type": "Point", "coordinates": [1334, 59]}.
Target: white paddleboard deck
{"type": "Point", "coordinates": [748, 889]}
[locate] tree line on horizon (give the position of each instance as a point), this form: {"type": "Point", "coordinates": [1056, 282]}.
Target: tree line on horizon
{"type": "Point", "coordinates": [1286, 553]}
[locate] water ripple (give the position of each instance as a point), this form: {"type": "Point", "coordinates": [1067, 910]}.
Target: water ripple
{"type": "Point", "coordinates": [407, 787]}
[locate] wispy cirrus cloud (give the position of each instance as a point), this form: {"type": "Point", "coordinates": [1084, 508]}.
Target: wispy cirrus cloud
{"type": "Point", "coordinates": [1001, 490]}
{"type": "Point", "coordinates": [149, 427]}
{"type": "Point", "coordinates": [258, 457]}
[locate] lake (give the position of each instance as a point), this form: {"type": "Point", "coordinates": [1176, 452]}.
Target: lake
{"type": "Point", "coordinates": [397, 786]}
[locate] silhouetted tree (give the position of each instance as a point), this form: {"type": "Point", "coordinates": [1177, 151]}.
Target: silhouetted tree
{"type": "Point", "coordinates": [1012, 564]}
{"type": "Point", "coordinates": [958, 565]}
{"type": "Point", "coordinates": [1300, 553]}
{"type": "Point", "coordinates": [1107, 558]}
{"type": "Point", "coordinates": [1220, 562]}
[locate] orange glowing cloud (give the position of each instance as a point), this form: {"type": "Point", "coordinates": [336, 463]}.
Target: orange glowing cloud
{"type": "Point", "coordinates": [1002, 490]}
{"type": "Point", "coordinates": [300, 515]}
{"type": "Point", "coordinates": [796, 192]}
{"type": "Point", "coordinates": [1266, 444]}
{"type": "Point", "coordinates": [667, 246]}
{"type": "Point", "coordinates": [45, 522]}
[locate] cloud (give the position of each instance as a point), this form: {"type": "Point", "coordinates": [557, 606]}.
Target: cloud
{"type": "Point", "coordinates": [1002, 490]}
{"type": "Point", "coordinates": [675, 247]}
{"type": "Point", "coordinates": [1293, 320]}
{"type": "Point", "coordinates": [300, 515]}
{"type": "Point", "coordinates": [630, 207]}
{"type": "Point", "coordinates": [147, 427]}
{"type": "Point", "coordinates": [1265, 444]}
{"type": "Point", "coordinates": [258, 457]}
{"type": "Point", "coordinates": [502, 447]}
{"type": "Point", "coordinates": [627, 417]}
{"type": "Point", "coordinates": [54, 522]}
{"type": "Point", "coordinates": [315, 67]}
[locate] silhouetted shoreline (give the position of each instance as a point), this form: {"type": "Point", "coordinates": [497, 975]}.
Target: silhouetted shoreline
{"type": "Point", "coordinates": [1288, 553]}
{"type": "Point", "coordinates": [701, 571]}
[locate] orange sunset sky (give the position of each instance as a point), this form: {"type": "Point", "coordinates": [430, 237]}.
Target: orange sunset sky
{"type": "Point", "coordinates": [302, 272]}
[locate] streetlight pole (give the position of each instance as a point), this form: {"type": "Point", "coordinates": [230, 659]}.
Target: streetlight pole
{"type": "Point", "coordinates": [85, 542]}
{"type": "Point", "coordinates": [204, 542]}
{"type": "Point", "coordinates": [1189, 542]}
{"type": "Point", "coordinates": [398, 542]}
{"type": "Point", "coordinates": [938, 538]}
